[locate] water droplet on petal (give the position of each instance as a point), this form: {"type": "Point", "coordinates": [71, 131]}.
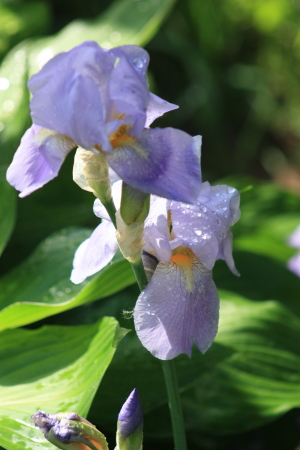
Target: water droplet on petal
{"type": "Point", "coordinates": [230, 191]}
{"type": "Point", "coordinates": [138, 63]}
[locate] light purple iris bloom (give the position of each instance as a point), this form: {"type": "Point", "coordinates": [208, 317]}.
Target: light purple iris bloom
{"type": "Point", "coordinates": [180, 305]}
{"type": "Point", "coordinates": [294, 262]}
{"type": "Point", "coordinates": [99, 100]}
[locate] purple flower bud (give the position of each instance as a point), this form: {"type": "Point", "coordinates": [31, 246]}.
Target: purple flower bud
{"type": "Point", "coordinates": [130, 417]}
{"type": "Point", "coordinates": [68, 431]}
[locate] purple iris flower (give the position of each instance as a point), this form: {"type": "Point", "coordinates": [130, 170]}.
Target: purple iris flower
{"type": "Point", "coordinates": [99, 100]}
{"type": "Point", "coordinates": [180, 305]}
{"type": "Point", "coordinates": [294, 262]}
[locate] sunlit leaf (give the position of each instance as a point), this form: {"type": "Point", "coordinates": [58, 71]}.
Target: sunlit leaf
{"type": "Point", "coordinates": [249, 376]}
{"type": "Point", "coordinates": [260, 381]}
{"type": "Point", "coordinates": [41, 286]}
{"type": "Point", "coordinates": [55, 369]}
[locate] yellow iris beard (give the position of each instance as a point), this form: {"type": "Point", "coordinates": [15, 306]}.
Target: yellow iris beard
{"type": "Point", "coordinates": [184, 260]}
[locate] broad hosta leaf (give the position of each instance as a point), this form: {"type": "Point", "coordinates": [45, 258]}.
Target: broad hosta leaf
{"type": "Point", "coordinates": [249, 376]}
{"type": "Point", "coordinates": [133, 366]}
{"type": "Point", "coordinates": [7, 209]}
{"type": "Point", "coordinates": [41, 286]}
{"type": "Point", "coordinates": [260, 380]}
{"type": "Point", "coordinates": [125, 22]}
{"type": "Point", "coordinates": [54, 369]}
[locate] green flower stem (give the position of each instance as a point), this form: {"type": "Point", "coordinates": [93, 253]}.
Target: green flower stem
{"type": "Point", "coordinates": [140, 274]}
{"type": "Point", "coordinates": [168, 367]}
{"type": "Point", "coordinates": [169, 371]}
{"type": "Point", "coordinates": [170, 375]}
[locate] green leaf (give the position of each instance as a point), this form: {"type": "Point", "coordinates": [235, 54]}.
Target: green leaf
{"type": "Point", "coordinates": [55, 369]}
{"type": "Point", "coordinates": [134, 367]}
{"type": "Point", "coordinates": [124, 22]}
{"type": "Point", "coordinates": [18, 21]}
{"type": "Point", "coordinates": [260, 380]}
{"type": "Point", "coordinates": [7, 209]}
{"type": "Point", "coordinates": [41, 286]}
{"type": "Point", "coordinates": [249, 376]}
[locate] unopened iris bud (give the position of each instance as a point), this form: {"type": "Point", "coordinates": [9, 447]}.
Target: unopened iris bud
{"type": "Point", "coordinates": [130, 424]}
{"type": "Point", "coordinates": [130, 222]}
{"type": "Point", "coordinates": [135, 205]}
{"type": "Point", "coordinates": [69, 431]}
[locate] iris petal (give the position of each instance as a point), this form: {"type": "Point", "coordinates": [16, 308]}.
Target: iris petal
{"type": "Point", "coordinates": [71, 104]}
{"type": "Point", "coordinates": [204, 225]}
{"type": "Point", "coordinates": [165, 162]}
{"type": "Point", "coordinates": [38, 159]}
{"type": "Point", "coordinates": [157, 107]}
{"type": "Point", "coordinates": [94, 253]}
{"type": "Point", "coordinates": [172, 313]}
{"type": "Point", "coordinates": [128, 89]}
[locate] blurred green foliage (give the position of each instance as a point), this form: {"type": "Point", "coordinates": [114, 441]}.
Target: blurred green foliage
{"type": "Point", "coordinates": [233, 68]}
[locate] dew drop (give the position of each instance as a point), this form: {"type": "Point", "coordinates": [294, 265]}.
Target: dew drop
{"type": "Point", "coordinates": [138, 63]}
{"type": "Point", "coordinates": [198, 232]}
{"type": "Point", "coordinates": [230, 191]}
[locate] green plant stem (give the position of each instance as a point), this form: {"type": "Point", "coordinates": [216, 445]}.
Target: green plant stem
{"type": "Point", "coordinates": [168, 367]}
{"type": "Point", "coordinates": [170, 375]}
{"type": "Point", "coordinates": [140, 274]}
{"type": "Point", "coordinates": [169, 371]}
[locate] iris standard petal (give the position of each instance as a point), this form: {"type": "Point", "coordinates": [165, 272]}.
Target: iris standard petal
{"type": "Point", "coordinates": [156, 108]}
{"type": "Point", "coordinates": [71, 104]}
{"type": "Point", "coordinates": [225, 201]}
{"type": "Point", "coordinates": [179, 306]}
{"type": "Point", "coordinates": [88, 59]}
{"type": "Point", "coordinates": [158, 215]}
{"type": "Point", "coordinates": [136, 56]}
{"type": "Point", "coordinates": [165, 162]}
{"type": "Point", "coordinates": [157, 242]}
{"type": "Point", "coordinates": [204, 225]}
{"type": "Point", "coordinates": [38, 159]}
{"type": "Point", "coordinates": [128, 89]}
{"type": "Point", "coordinates": [94, 253]}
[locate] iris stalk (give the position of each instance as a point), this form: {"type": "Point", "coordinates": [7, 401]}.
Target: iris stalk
{"type": "Point", "coordinates": [168, 367]}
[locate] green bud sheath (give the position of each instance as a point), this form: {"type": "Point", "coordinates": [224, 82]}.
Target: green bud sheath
{"type": "Point", "coordinates": [132, 442]}
{"type": "Point", "coordinates": [135, 205]}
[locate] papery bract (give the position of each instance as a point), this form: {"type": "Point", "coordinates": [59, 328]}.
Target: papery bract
{"type": "Point", "coordinates": [99, 100]}
{"type": "Point", "coordinates": [180, 305]}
